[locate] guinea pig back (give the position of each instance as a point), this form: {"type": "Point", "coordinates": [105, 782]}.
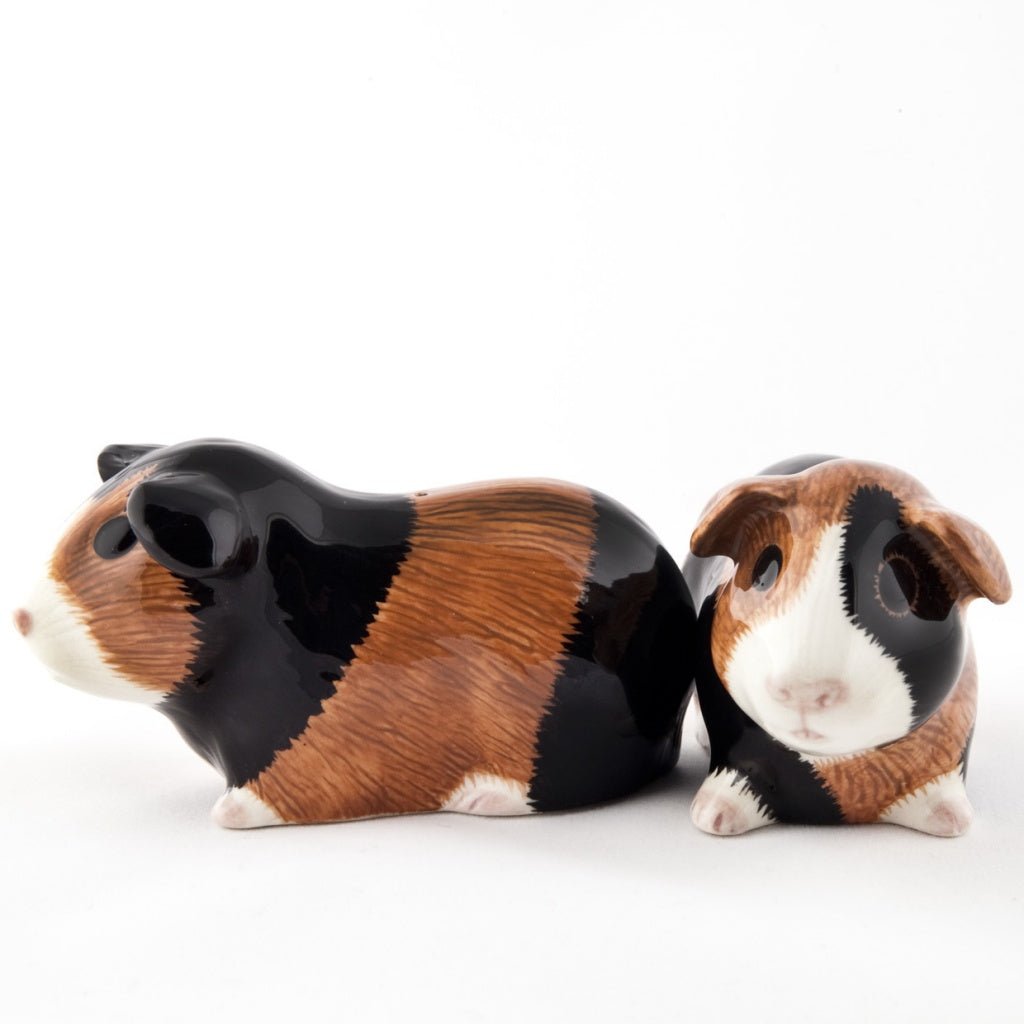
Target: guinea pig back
{"type": "Point", "coordinates": [836, 676]}
{"type": "Point", "coordinates": [497, 648]}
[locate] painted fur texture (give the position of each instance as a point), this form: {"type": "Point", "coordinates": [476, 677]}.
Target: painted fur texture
{"type": "Point", "coordinates": [490, 649]}
{"type": "Point", "coordinates": [836, 677]}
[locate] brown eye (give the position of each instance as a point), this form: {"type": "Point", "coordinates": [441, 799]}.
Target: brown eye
{"type": "Point", "coordinates": [897, 584]}
{"type": "Point", "coordinates": [114, 538]}
{"type": "Point", "coordinates": [766, 568]}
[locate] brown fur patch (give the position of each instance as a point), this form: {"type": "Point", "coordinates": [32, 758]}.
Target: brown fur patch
{"type": "Point", "coordinates": [457, 668]}
{"type": "Point", "coordinates": [969, 553]}
{"type": "Point", "coordinates": [816, 497]}
{"type": "Point", "coordinates": [740, 606]}
{"type": "Point", "coordinates": [866, 785]}
{"type": "Point", "coordinates": [137, 611]}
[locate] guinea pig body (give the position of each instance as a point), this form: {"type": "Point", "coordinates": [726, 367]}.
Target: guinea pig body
{"type": "Point", "coordinates": [494, 649]}
{"type": "Point", "coordinates": [836, 677]}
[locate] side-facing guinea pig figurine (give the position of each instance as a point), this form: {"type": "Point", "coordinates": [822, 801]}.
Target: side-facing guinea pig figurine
{"type": "Point", "coordinates": [495, 649]}
{"type": "Point", "coordinates": [836, 677]}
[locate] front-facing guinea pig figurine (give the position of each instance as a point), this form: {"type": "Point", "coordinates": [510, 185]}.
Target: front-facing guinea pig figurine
{"type": "Point", "coordinates": [492, 649]}
{"type": "Point", "coordinates": [836, 677]}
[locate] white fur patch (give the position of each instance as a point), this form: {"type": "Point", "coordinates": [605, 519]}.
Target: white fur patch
{"type": "Point", "coordinates": [241, 808]}
{"type": "Point", "coordinates": [812, 639]}
{"type": "Point", "coordinates": [724, 807]}
{"type": "Point", "coordinates": [940, 808]}
{"type": "Point", "coordinates": [480, 793]}
{"type": "Point", "coordinates": [61, 640]}
{"type": "Point", "coordinates": [700, 728]}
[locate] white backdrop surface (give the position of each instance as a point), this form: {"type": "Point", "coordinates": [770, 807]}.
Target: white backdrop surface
{"type": "Point", "coordinates": [646, 247]}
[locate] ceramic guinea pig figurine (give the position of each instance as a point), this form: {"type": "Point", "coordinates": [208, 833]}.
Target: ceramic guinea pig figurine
{"type": "Point", "coordinates": [836, 676]}
{"type": "Point", "coordinates": [492, 649]}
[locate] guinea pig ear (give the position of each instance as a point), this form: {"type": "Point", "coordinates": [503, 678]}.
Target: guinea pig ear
{"type": "Point", "coordinates": [190, 523]}
{"type": "Point", "coordinates": [116, 457]}
{"type": "Point", "coordinates": [720, 530]}
{"type": "Point", "coordinates": [965, 545]}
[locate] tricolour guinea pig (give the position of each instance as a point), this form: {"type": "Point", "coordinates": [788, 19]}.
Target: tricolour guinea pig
{"type": "Point", "coordinates": [492, 649]}
{"type": "Point", "coordinates": [835, 675]}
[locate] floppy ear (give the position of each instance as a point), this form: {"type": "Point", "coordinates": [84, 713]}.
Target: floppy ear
{"type": "Point", "coordinates": [720, 530]}
{"type": "Point", "coordinates": [190, 523]}
{"type": "Point", "coordinates": [967, 547]}
{"type": "Point", "coordinates": [116, 457]}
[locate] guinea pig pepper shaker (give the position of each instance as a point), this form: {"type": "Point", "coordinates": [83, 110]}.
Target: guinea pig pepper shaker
{"type": "Point", "coordinates": [836, 677]}
{"type": "Point", "coordinates": [492, 649]}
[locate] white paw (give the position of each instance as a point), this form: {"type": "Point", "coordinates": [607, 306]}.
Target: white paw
{"type": "Point", "coordinates": [481, 793]}
{"type": "Point", "coordinates": [239, 808]}
{"type": "Point", "coordinates": [722, 807]}
{"type": "Point", "coordinates": [941, 808]}
{"type": "Point", "coordinates": [950, 818]}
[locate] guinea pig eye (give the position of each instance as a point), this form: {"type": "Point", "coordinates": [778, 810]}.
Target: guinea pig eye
{"type": "Point", "coordinates": [114, 538]}
{"type": "Point", "coordinates": [897, 584]}
{"type": "Point", "coordinates": [909, 581]}
{"type": "Point", "coordinates": [766, 568]}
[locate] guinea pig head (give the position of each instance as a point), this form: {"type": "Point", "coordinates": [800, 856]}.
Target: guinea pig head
{"type": "Point", "coordinates": [115, 612]}
{"type": "Point", "coordinates": [841, 626]}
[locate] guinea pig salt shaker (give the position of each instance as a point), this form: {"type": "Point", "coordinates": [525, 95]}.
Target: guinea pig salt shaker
{"type": "Point", "coordinates": [836, 677]}
{"type": "Point", "coordinates": [492, 649]}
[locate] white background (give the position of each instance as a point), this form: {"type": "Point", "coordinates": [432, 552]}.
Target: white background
{"type": "Point", "coordinates": [647, 247]}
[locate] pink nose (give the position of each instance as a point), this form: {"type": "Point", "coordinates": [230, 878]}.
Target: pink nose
{"type": "Point", "coordinates": [22, 621]}
{"type": "Point", "coordinates": [813, 696]}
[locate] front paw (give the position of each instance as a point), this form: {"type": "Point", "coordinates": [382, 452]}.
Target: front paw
{"type": "Point", "coordinates": [941, 808]}
{"type": "Point", "coordinates": [724, 806]}
{"type": "Point", "coordinates": [950, 818]}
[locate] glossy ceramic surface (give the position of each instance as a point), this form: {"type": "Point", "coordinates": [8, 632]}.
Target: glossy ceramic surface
{"type": "Point", "coordinates": [497, 648]}
{"type": "Point", "coordinates": [835, 673]}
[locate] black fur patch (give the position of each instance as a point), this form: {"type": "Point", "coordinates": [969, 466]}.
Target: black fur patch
{"type": "Point", "coordinates": [616, 713]}
{"type": "Point", "coordinates": [896, 592]}
{"type": "Point", "coordinates": [280, 635]}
